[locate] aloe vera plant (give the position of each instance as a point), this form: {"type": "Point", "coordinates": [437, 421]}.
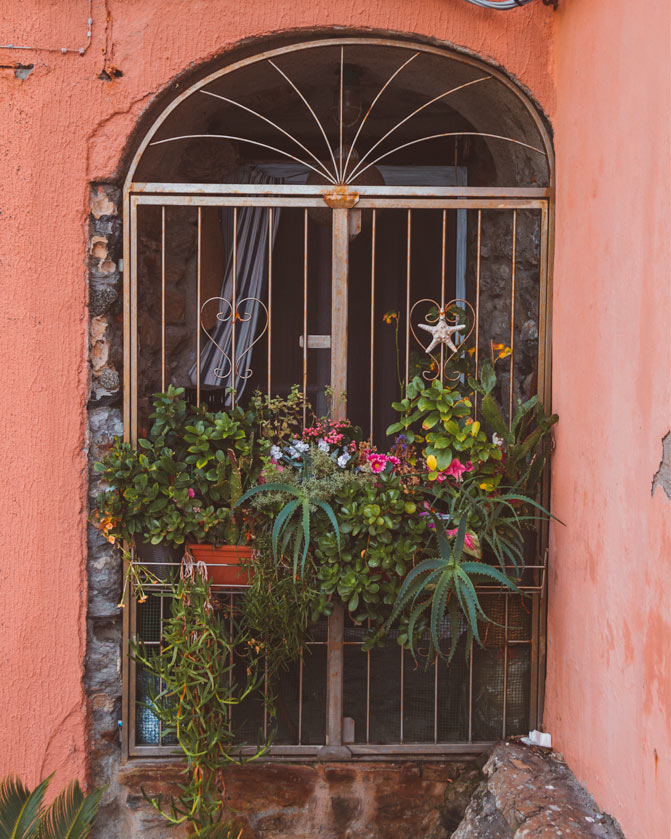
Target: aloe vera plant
{"type": "Point", "coordinates": [22, 815]}
{"type": "Point", "coordinates": [292, 524]}
{"type": "Point", "coordinates": [444, 586]}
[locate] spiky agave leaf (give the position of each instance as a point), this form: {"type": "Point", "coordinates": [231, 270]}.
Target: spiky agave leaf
{"type": "Point", "coordinates": [20, 809]}
{"type": "Point", "coordinates": [71, 814]}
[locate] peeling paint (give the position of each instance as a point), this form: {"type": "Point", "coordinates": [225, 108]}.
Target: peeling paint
{"type": "Point", "coordinates": [662, 477]}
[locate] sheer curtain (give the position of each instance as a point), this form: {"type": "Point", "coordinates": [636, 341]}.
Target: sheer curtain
{"type": "Point", "coordinates": [251, 282]}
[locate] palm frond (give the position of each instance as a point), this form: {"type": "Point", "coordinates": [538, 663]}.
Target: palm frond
{"type": "Point", "coordinates": [20, 809]}
{"type": "Point", "coordinates": [71, 815]}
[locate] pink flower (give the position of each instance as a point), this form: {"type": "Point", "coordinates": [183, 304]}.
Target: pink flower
{"type": "Point", "coordinates": [468, 540]}
{"type": "Point", "coordinates": [192, 494]}
{"type": "Point", "coordinates": [377, 462]}
{"type": "Point", "coordinates": [456, 469]}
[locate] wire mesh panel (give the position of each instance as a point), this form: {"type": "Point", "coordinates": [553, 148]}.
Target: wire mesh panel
{"type": "Point", "coordinates": [391, 698]}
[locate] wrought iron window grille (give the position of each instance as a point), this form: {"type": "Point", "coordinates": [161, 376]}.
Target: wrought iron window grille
{"type": "Point", "coordinates": [330, 249]}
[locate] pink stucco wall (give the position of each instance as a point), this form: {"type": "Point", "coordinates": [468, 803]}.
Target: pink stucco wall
{"type": "Point", "coordinates": [62, 127]}
{"type": "Point", "coordinates": [609, 667]}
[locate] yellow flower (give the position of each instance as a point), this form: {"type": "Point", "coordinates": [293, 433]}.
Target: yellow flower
{"type": "Point", "coordinates": [471, 352]}
{"type": "Point", "coordinates": [505, 352]}
{"type": "Point", "coordinates": [389, 316]}
{"type": "Point", "coordinates": [431, 463]}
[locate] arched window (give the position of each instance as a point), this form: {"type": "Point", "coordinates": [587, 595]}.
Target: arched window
{"type": "Point", "coordinates": [273, 215]}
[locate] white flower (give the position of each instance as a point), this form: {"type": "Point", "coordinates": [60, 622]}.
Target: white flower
{"type": "Point", "coordinates": [343, 460]}
{"type": "Point", "coordinates": [300, 446]}
{"type": "Point", "coordinates": [498, 441]}
{"type": "Point", "coordinates": [275, 452]}
{"type": "Point", "coordinates": [292, 452]}
{"type": "Point", "coordinates": [323, 446]}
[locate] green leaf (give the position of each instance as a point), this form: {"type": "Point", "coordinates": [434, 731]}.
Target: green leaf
{"type": "Point", "coordinates": [20, 808]}
{"type": "Point", "coordinates": [285, 514]}
{"type": "Point", "coordinates": [487, 377]}
{"type": "Point", "coordinates": [71, 814]}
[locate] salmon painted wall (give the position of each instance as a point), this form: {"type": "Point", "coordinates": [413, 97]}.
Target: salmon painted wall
{"type": "Point", "coordinates": [61, 128]}
{"type": "Point", "coordinates": [608, 701]}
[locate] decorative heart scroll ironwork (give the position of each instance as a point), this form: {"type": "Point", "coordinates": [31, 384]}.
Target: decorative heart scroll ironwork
{"type": "Point", "coordinates": [444, 327]}
{"type": "Point", "coordinates": [242, 314]}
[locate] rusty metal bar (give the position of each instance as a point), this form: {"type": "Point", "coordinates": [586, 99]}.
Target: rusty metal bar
{"type": "Point", "coordinates": [162, 298]}
{"type": "Point", "coordinates": [310, 109]}
{"type": "Point", "coordinates": [234, 307]}
{"type": "Point", "coordinates": [402, 683]}
{"type": "Point", "coordinates": [270, 297]}
{"type": "Point", "coordinates": [300, 699]}
{"type": "Point", "coordinates": [198, 301]}
{"type": "Point", "coordinates": [280, 190]}
{"type": "Point", "coordinates": [364, 203]}
{"type": "Point", "coordinates": [339, 297]}
{"type": "Point", "coordinates": [512, 323]}
{"type": "Point", "coordinates": [265, 699]}
{"type": "Point", "coordinates": [505, 672]}
{"type": "Point", "coordinates": [372, 105]}
{"type": "Point", "coordinates": [130, 384]}
{"type": "Point", "coordinates": [442, 292]}
{"type": "Point", "coordinates": [435, 700]}
{"type": "Point", "coordinates": [372, 319]}
{"type": "Point", "coordinates": [368, 696]}
{"type": "Point", "coordinates": [334, 673]}
{"type": "Point", "coordinates": [342, 81]}
{"type": "Point", "coordinates": [407, 296]}
{"type": "Point", "coordinates": [477, 307]}
{"type": "Point", "coordinates": [470, 696]}
{"type": "Point", "coordinates": [134, 329]}
{"type": "Point", "coordinates": [305, 313]}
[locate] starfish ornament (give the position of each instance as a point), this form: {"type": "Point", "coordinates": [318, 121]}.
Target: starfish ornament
{"type": "Point", "coordinates": [441, 333]}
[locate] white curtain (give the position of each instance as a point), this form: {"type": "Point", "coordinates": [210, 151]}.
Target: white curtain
{"type": "Point", "coordinates": [251, 282]}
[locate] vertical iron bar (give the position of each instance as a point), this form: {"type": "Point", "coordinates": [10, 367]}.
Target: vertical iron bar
{"type": "Point", "coordinates": [533, 693]}
{"type": "Point", "coordinates": [477, 308]}
{"type": "Point", "coordinates": [435, 700]}
{"type": "Point", "coordinates": [198, 279]}
{"type": "Point", "coordinates": [334, 670]}
{"type": "Point", "coordinates": [128, 327]}
{"type": "Point", "coordinates": [265, 699]}
{"type": "Point", "coordinates": [160, 640]}
{"type": "Point", "coordinates": [163, 298]}
{"type": "Point", "coordinates": [270, 298]}
{"type": "Point", "coordinates": [512, 323]}
{"type": "Point", "coordinates": [407, 299]}
{"type": "Point", "coordinates": [368, 696]}
{"type": "Point", "coordinates": [231, 662]}
{"type": "Point", "coordinates": [234, 307]}
{"type": "Point", "coordinates": [470, 696]}
{"type": "Point", "coordinates": [442, 292]}
{"type": "Point", "coordinates": [342, 73]}
{"type": "Point", "coordinates": [372, 321]}
{"type": "Point", "coordinates": [402, 697]}
{"type": "Point", "coordinates": [300, 699]}
{"type": "Point", "coordinates": [133, 314]}
{"type": "Point", "coordinates": [339, 295]}
{"type": "Point", "coordinates": [131, 694]}
{"type": "Point", "coordinates": [505, 669]}
{"type": "Point", "coordinates": [305, 313]}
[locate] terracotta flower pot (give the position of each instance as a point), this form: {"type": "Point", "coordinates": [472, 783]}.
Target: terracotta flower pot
{"type": "Point", "coordinates": [223, 563]}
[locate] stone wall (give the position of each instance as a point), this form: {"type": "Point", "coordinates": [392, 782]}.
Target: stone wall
{"type": "Point", "coordinates": [376, 800]}
{"type": "Point", "coordinates": [530, 793]}
{"type": "Point", "coordinates": [104, 617]}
